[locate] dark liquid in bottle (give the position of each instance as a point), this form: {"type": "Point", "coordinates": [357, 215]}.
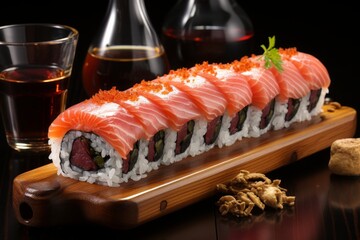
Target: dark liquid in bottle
{"type": "Point", "coordinates": [210, 45]}
{"type": "Point", "coordinates": [122, 67]}
{"type": "Point", "coordinates": [30, 99]}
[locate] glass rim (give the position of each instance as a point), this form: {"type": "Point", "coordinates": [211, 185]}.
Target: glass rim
{"type": "Point", "coordinates": [73, 33]}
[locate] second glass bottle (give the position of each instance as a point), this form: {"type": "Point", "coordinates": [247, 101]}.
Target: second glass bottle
{"type": "Point", "coordinates": [206, 30]}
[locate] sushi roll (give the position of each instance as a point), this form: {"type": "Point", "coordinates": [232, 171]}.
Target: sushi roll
{"type": "Point", "coordinates": [265, 89]}
{"type": "Point", "coordinates": [118, 136]}
{"type": "Point", "coordinates": [293, 97]}
{"type": "Point", "coordinates": [206, 95]}
{"type": "Point", "coordinates": [186, 123]}
{"type": "Point", "coordinates": [236, 89]}
{"type": "Point", "coordinates": [314, 72]}
{"type": "Point", "coordinates": [78, 151]}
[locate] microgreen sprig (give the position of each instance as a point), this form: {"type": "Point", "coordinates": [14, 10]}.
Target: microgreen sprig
{"type": "Point", "coordinates": [271, 55]}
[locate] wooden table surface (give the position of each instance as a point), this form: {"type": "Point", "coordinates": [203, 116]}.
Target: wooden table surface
{"type": "Point", "coordinates": [327, 207]}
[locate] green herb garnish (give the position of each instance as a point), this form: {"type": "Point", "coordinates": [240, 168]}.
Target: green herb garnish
{"type": "Point", "coordinates": [271, 55]}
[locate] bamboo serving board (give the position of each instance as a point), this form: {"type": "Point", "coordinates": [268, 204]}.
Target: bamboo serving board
{"type": "Point", "coordinates": [42, 198]}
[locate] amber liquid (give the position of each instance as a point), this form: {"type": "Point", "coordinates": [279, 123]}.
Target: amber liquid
{"type": "Point", "coordinates": [30, 99]}
{"type": "Point", "coordinates": [204, 45]}
{"type": "Point", "coordinates": [122, 67]}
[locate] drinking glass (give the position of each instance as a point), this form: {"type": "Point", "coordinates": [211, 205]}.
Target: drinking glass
{"type": "Point", "coordinates": [35, 67]}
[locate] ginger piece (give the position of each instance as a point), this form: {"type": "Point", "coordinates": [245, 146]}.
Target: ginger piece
{"type": "Point", "coordinates": [256, 200]}
{"type": "Point", "coordinates": [229, 204]}
{"type": "Point", "coordinates": [271, 196]}
{"type": "Point", "coordinates": [247, 190]}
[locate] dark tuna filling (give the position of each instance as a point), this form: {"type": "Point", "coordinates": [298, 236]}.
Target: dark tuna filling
{"type": "Point", "coordinates": [293, 108]}
{"type": "Point", "coordinates": [156, 146]}
{"type": "Point", "coordinates": [314, 99]}
{"type": "Point", "coordinates": [267, 114]}
{"type": "Point", "coordinates": [237, 122]}
{"type": "Point", "coordinates": [213, 130]}
{"type": "Point", "coordinates": [131, 159]}
{"type": "Point", "coordinates": [85, 157]}
{"type": "Point", "coordinates": [183, 138]}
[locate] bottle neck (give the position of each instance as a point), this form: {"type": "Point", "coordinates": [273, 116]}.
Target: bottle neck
{"type": "Point", "coordinates": [226, 16]}
{"type": "Point", "coordinates": [210, 5]}
{"type": "Point", "coordinates": [128, 10]}
{"type": "Point", "coordinates": [126, 23]}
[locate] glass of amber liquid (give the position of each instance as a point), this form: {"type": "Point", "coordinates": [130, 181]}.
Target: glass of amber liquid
{"type": "Point", "coordinates": [125, 50]}
{"type": "Point", "coordinates": [35, 66]}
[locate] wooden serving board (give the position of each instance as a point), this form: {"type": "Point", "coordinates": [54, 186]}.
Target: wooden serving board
{"type": "Point", "coordinates": [42, 198]}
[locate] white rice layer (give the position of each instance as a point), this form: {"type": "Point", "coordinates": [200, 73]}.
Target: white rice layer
{"type": "Point", "coordinates": [255, 119]}
{"type": "Point", "coordinates": [302, 114]}
{"type": "Point", "coordinates": [318, 108]}
{"type": "Point", "coordinates": [227, 139]}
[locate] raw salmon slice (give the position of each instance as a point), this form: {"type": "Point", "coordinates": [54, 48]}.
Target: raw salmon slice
{"type": "Point", "coordinates": [149, 114]}
{"type": "Point", "coordinates": [234, 86]}
{"type": "Point", "coordinates": [262, 81]}
{"type": "Point", "coordinates": [206, 96]}
{"type": "Point", "coordinates": [291, 82]}
{"type": "Point", "coordinates": [109, 120]}
{"type": "Point", "coordinates": [310, 67]}
{"type": "Point", "coordinates": [177, 105]}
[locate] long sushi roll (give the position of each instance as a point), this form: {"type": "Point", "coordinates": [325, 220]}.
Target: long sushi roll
{"type": "Point", "coordinates": [117, 136]}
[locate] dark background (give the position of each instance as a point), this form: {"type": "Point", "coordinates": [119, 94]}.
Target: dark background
{"type": "Point", "coordinates": [326, 31]}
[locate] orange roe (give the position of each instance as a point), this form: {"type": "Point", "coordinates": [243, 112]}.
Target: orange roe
{"type": "Point", "coordinates": [288, 51]}
{"type": "Point", "coordinates": [182, 73]}
{"type": "Point", "coordinates": [153, 86]}
{"type": "Point", "coordinates": [131, 94]}
{"type": "Point", "coordinates": [113, 95]}
{"type": "Point", "coordinates": [205, 67]}
{"type": "Point", "coordinates": [161, 83]}
{"type": "Point", "coordinates": [245, 64]}
{"type": "Point", "coordinates": [226, 66]}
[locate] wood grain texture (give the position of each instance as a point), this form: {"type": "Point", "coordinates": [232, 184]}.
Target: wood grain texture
{"type": "Point", "coordinates": [42, 198]}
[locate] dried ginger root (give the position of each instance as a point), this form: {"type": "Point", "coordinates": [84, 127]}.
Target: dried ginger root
{"type": "Point", "coordinates": [247, 190]}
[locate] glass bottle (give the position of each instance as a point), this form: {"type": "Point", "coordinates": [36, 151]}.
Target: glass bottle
{"type": "Point", "coordinates": [206, 30]}
{"type": "Point", "coordinates": [125, 51]}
